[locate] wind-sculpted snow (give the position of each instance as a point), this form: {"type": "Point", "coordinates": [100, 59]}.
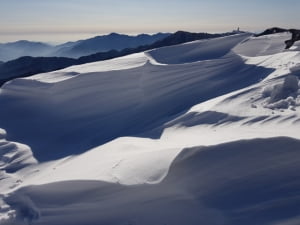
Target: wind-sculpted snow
{"type": "Point", "coordinates": [262, 46]}
{"type": "Point", "coordinates": [70, 116]}
{"type": "Point", "coordinates": [197, 51]}
{"type": "Point", "coordinates": [242, 182]}
{"type": "Point", "coordinates": [283, 96]}
{"type": "Point", "coordinates": [14, 156]}
{"type": "Point", "coordinates": [178, 135]}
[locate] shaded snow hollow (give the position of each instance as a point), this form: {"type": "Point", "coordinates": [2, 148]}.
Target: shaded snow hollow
{"type": "Point", "coordinates": [187, 134]}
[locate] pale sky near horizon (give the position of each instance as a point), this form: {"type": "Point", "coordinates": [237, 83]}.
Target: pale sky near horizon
{"type": "Point", "coordinates": [63, 20]}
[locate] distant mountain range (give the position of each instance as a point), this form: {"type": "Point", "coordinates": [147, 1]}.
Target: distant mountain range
{"type": "Point", "coordinates": [106, 43]}
{"type": "Point", "coordinates": [26, 66]}
{"type": "Point", "coordinates": [113, 41]}
{"type": "Point", "coordinates": [17, 49]}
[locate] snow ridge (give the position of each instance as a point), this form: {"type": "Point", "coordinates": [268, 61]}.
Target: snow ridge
{"type": "Point", "coordinates": [200, 133]}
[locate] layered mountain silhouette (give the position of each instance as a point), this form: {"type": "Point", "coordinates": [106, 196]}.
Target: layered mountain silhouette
{"type": "Point", "coordinates": [105, 43]}
{"type": "Point", "coordinates": [27, 66]}
{"type": "Point", "coordinates": [113, 41]}
{"type": "Point", "coordinates": [17, 49]}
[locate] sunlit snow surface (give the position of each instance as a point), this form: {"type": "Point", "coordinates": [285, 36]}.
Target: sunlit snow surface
{"type": "Point", "coordinates": [205, 132]}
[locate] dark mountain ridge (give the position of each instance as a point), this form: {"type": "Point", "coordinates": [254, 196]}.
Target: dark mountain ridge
{"type": "Point", "coordinates": [13, 50]}
{"type": "Point", "coordinates": [113, 41]}
{"type": "Point", "coordinates": [27, 66]}
{"type": "Point", "coordinates": [109, 42]}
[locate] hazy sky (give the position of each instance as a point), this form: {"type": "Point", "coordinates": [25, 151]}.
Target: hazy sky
{"type": "Point", "coordinates": [62, 20]}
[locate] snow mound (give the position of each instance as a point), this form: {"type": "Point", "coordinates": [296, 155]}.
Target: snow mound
{"type": "Point", "coordinates": [283, 95]}
{"type": "Point", "coordinates": [13, 156]}
{"type": "Point", "coordinates": [24, 211]}
{"type": "Point", "coordinates": [262, 46]}
{"type": "Point", "coordinates": [197, 50]}
{"type": "Point", "coordinates": [242, 182]}
{"type": "Point", "coordinates": [122, 63]}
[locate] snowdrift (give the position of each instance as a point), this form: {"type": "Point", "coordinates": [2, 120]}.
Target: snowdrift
{"type": "Point", "coordinates": [200, 133]}
{"type": "Point", "coordinates": [242, 182]}
{"type": "Point", "coordinates": [14, 156]}
{"type": "Point", "coordinates": [79, 108]}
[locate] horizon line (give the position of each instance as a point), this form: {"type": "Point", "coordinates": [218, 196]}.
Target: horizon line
{"type": "Point", "coordinates": [37, 36]}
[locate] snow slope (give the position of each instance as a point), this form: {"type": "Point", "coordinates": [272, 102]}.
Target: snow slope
{"type": "Point", "coordinates": [201, 133]}
{"type": "Point", "coordinates": [97, 107]}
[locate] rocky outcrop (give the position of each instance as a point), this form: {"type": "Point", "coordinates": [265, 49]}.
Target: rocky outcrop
{"type": "Point", "coordinates": [273, 30]}
{"type": "Point", "coordinates": [295, 37]}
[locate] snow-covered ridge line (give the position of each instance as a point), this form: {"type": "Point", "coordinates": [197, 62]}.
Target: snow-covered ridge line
{"type": "Point", "coordinates": [100, 106]}
{"type": "Point", "coordinates": [180, 130]}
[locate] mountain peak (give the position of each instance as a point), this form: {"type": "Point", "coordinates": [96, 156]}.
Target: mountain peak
{"type": "Point", "coordinates": [115, 34]}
